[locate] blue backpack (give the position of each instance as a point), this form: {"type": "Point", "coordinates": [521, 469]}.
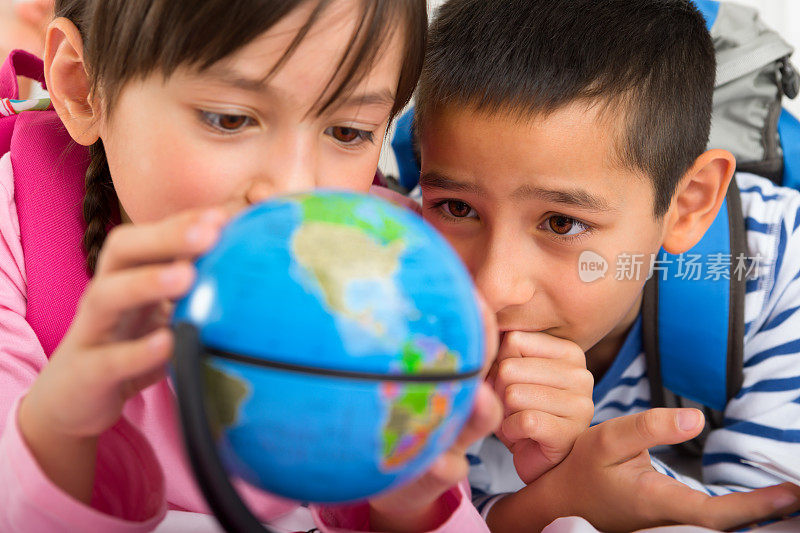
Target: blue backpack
{"type": "Point", "coordinates": [693, 330]}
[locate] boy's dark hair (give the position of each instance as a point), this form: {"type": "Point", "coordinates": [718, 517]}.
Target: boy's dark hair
{"type": "Point", "coordinates": [653, 58]}
{"type": "Point", "coordinates": [129, 39]}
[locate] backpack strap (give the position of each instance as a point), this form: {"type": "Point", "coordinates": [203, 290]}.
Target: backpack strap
{"type": "Point", "coordinates": [693, 329]}
{"type": "Point", "coordinates": [49, 174]}
{"type": "Point", "coordinates": [710, 10]}
{"type": "Point", "coordinates": [19, 63]}
{"type": "Point", "coordinates": [789, 132]}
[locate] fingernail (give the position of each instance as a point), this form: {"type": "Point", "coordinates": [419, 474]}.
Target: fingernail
{"type": "Point", "coordinates": [158, 340]}
{"type": "Point", "coordinates": [784, 500]}
{"type": "Point", "coordinates": [173, 274]}
{"type": "Point", "coordinates": [212, 216]}
{"type": "Point", "coordinates": [688, 420]}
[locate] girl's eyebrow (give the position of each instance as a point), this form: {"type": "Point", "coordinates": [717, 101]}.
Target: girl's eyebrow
{"type": "Point", "coordinates": [383, 97]}
{"type": "Point", "coordinates": [234, 78]}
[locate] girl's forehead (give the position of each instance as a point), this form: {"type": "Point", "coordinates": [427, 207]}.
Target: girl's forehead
{"type": "Point", "coordinates": [317, 65]}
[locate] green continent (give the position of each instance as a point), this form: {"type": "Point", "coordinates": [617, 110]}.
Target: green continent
{"type": "Point", "coordinates": [413, 417]}
{"type": "Point", "coordinates": [413, 360]}
{"type": "Point", "coordinates": [226, 394]}
{"type": "Point", "coordinates": [410, 410]}
{"type": "Point", "coordinates": [337, 210]}
{"type": "Point", "coordinates": [336, 255]}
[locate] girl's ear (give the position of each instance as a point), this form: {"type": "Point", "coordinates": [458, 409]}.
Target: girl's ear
{"type": "Point", "coordinates": [68, 83]}
{"type": "Point", "coordinates": [698, 200]}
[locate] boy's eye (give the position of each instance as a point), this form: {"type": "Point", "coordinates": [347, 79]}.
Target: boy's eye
{"type": "Point", "coordinates": [347, 135]}
{"type": "Point", "coordinates": [226, 123]}
{"type": "Point", "coordinates": [565, 226]}
{"type": "Point", "coordinates": [458, 209]}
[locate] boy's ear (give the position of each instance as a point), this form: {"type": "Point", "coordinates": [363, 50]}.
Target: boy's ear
{"type": "Point", "coordinates": [68, 81]}
{"type": "Point", "coordinates": [698, 200]}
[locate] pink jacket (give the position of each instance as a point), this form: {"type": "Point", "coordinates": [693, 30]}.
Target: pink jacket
{"type": "Point", "coordinates": [141, 467]}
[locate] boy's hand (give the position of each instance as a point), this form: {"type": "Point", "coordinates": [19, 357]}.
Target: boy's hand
{"type": "Point", "coordinates": [546, 392]}
{"type": "Point", "coordinates": [416, 506]}
{"type": "Point", "coordinates": [608, 479]}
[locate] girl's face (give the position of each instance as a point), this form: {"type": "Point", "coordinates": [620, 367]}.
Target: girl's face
{"type": "Point", "coordinates": [225, 136]}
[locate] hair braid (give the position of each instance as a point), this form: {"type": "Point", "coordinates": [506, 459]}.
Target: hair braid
{"type": "Point", "coordinates": [97, 204]}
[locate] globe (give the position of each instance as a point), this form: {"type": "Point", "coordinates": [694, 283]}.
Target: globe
{"type": "Point", "coordinates": [340, 345]}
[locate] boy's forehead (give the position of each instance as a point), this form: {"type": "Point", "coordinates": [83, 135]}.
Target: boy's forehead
{"type": "Point", "coordinates": [574, 148]}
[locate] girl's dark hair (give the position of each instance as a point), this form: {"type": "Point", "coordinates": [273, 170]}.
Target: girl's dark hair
{"type": "Point", "coordinates": [129, 39]}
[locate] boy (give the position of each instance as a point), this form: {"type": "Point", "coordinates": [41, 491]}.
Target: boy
{"type": "Point", "coordinates": [550, 129]}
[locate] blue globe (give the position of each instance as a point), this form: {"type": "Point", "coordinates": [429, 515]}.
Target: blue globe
{"type": "Point", "coordinates": [341, 345]}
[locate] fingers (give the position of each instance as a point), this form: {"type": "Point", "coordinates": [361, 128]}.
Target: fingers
{"type": "Point", "coordinates": [538, 344]}
{"type": "Point", "coordinates": [743, 508]}
{"type": "Point", "coordinates": [523, 417]}
{"type": "Point", "coordinates": [546, 372]}
{"type": "Point", "coordinates": [620, 439]}
{"type": "Point", "coordinates": [684, 505]}
{"type": "Point", "coordinates": [184, 236]}
{"type": "Point", "coordinates": [108, 297]}
{"type": "Point", "coordinates": [485, 418]}
{"type": "Point", "coordinates": [137, 361]}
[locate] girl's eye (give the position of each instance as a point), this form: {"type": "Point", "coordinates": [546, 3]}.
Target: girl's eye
{"type": "Point", "coordinates": [227, 123]}
{"type": "Point", "coordinates": [564, 226]}
{"type": "Point", "coordinates": [350, 136]}
{"type": "Point", "coordinates": [458, 209]}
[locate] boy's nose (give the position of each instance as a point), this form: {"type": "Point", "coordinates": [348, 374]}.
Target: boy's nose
{"type": "Point", "coordinates": [503, 280]}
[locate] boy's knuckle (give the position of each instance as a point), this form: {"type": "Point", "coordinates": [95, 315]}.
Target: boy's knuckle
{"type": "Point", "coordinates": [585, 407]}
{"type": "Point", "coordinates": [646, 425]}
{"type": "Point", "coordinates": [507, 370]}
{"type": "Point", "coordinates": [575, 355]}
{"type": "Point", "coordinates": [603, 440]}
{"type": "Point", "coordinates": [512, 397]}
{"type": "Point", "coordinates": [530, 423]}
{"type": "Point", "coordinates": [515, 340]}
{"type": "Point", "coordinates": [585, 380]}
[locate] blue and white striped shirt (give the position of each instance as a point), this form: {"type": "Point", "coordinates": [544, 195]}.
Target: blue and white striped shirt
{"type": "Point", "coordinates": [765, 416]}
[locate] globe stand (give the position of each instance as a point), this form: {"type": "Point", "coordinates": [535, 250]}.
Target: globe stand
{"type": "Point", "coordinates": [222, 498]}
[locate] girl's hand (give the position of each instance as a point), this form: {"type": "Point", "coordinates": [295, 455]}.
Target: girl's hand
{"type": "Point", "coordinates": [416, 506]}
{"type": "Point", "coordinates": [547, 395]}
{"type": "Point", "coordinates": [118, 343]}
{"type": "Point", "coordinates": [609, 480]}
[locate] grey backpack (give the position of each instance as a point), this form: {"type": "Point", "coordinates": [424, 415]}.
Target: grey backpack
{"type": "Point", "coordinates": [753, 76]}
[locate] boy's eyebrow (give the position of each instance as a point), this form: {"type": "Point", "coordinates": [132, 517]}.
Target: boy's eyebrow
{"type": "Point", "coordinates": [434, 180]}
{"type": "Point", "coordinates": [574, 197]}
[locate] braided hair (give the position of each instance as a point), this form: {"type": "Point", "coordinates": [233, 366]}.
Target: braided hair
{"type": "Point", "coordinates": [98, 203]}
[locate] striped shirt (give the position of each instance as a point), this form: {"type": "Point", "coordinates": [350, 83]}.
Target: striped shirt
{"type": "Point", "coordinates": [764, 417]}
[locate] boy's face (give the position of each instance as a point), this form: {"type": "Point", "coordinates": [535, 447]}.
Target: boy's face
{"type": "Point", "coordinates": [533, 208]}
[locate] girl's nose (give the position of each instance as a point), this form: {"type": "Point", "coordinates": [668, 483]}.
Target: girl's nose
{"type": "Point", "coordinates": [290, 168]}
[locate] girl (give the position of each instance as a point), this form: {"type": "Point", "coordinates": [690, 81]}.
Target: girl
{"type": "Point", "coordinates": [191, 111]}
